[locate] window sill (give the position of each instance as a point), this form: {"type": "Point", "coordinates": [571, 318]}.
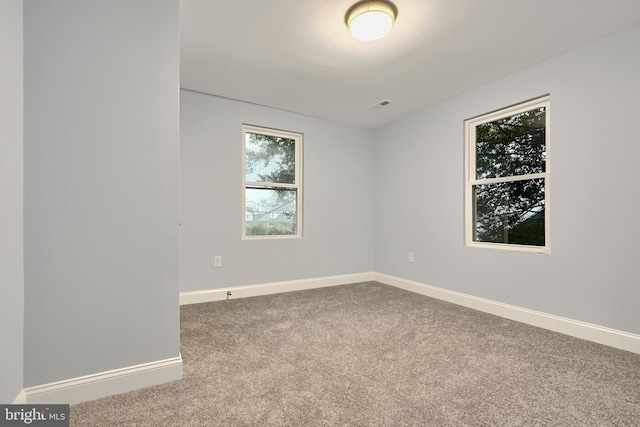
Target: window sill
{"type": "Point", "coordinates": [510, 247]}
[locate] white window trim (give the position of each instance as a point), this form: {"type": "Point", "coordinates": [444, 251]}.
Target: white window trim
{"type": "Point", "coordinates": [470, 180]}
{"type": "Point", "coordinates": [297, 185]}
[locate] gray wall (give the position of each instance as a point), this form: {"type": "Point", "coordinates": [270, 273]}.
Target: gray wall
{"type": "Point", "coordinates": [592, 272]}
{"type": "Point", "coordinates": [11, 170]}
{"type": "Point", "coordinates": [338, 198]}
{"type": "Point", "coordinates": [101, 186]}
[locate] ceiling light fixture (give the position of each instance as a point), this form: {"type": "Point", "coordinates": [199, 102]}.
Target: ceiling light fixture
{"type": "Point", "coordinates": [370, 20]}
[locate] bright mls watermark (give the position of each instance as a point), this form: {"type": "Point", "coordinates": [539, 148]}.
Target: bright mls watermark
{"type": "Point", "coordinates": [34, 415]}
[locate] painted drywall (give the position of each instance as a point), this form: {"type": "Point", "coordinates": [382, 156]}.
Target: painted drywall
{"type": "Point", "coordinates": [338, 198]}
{"type": "Point", "coordinates": [11, 182]}
{"type": "Point", "coordinates": [592, 271]}
{"type": "Point", "coordinates": [101, 147]}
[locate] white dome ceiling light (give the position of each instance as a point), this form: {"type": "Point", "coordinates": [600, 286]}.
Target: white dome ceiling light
{"type": "Point", "coordinates": [370, 20]}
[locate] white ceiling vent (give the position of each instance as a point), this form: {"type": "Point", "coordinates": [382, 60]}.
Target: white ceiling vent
{"type": "Point", "coordinates": [381, 104]}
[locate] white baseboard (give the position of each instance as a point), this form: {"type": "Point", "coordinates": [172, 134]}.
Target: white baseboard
{"type": "Point", "coordinates": [20, 399]}
{"type": "Point", "coordinates": [117, 381]}
{"type": "Point", "coordinates": [108, 383]}
{"type": "Point", "coordinates": [220, 294]}
{"type": "Point", "coordinates": [587, 331]}
{"type": "Point", "coordinates": [599, 334]}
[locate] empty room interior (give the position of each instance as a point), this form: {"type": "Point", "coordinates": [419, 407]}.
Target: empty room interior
{"type": "Point", "coordinates": [161, 155]}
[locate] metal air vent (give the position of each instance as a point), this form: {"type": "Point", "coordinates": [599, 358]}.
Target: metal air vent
{"type": "Point", "coordinates": [380, 104]}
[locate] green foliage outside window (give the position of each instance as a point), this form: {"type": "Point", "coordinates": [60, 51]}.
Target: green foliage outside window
{"type": "Point", "coordinates": [512, 210]}
{"type": "Point", "coordinates": [271, 190]}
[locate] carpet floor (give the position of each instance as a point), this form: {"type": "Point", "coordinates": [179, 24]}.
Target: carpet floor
{"type": "Point", "coordinates": [368, 354]}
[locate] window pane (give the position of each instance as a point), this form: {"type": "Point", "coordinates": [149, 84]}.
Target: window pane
{"type": "Point", "coordinates": [270, 159]}
{"type": "Point", "coordinates": [510, 212]}
{"type": "Point", "coordinates": [270, 211]}
{"type": "Point", "coordinates": [511, 146]}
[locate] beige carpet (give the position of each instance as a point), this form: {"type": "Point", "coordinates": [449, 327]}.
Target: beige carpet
{"type": "Point", "coordinates": [368, 354]}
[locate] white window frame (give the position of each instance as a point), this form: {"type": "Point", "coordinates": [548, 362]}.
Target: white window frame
{"type": "Point", "coordinates": [470, 175]}
{"type": "Point", "coordinates": [297, 185]}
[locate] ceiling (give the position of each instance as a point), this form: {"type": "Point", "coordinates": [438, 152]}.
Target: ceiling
{"type": "Point", "coordinates": [297, 55]}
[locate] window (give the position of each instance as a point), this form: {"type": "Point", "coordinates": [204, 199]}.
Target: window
{"type": "Point", "coordinates": [272, 183]}
{"type": "Point", "coordinates": [507, 183]}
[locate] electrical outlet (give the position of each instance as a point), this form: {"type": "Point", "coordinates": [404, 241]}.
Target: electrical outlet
{"type": "Point", "coordinates": [217, 261]}
{"type": "Point", "coordinates": [410, 257]}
